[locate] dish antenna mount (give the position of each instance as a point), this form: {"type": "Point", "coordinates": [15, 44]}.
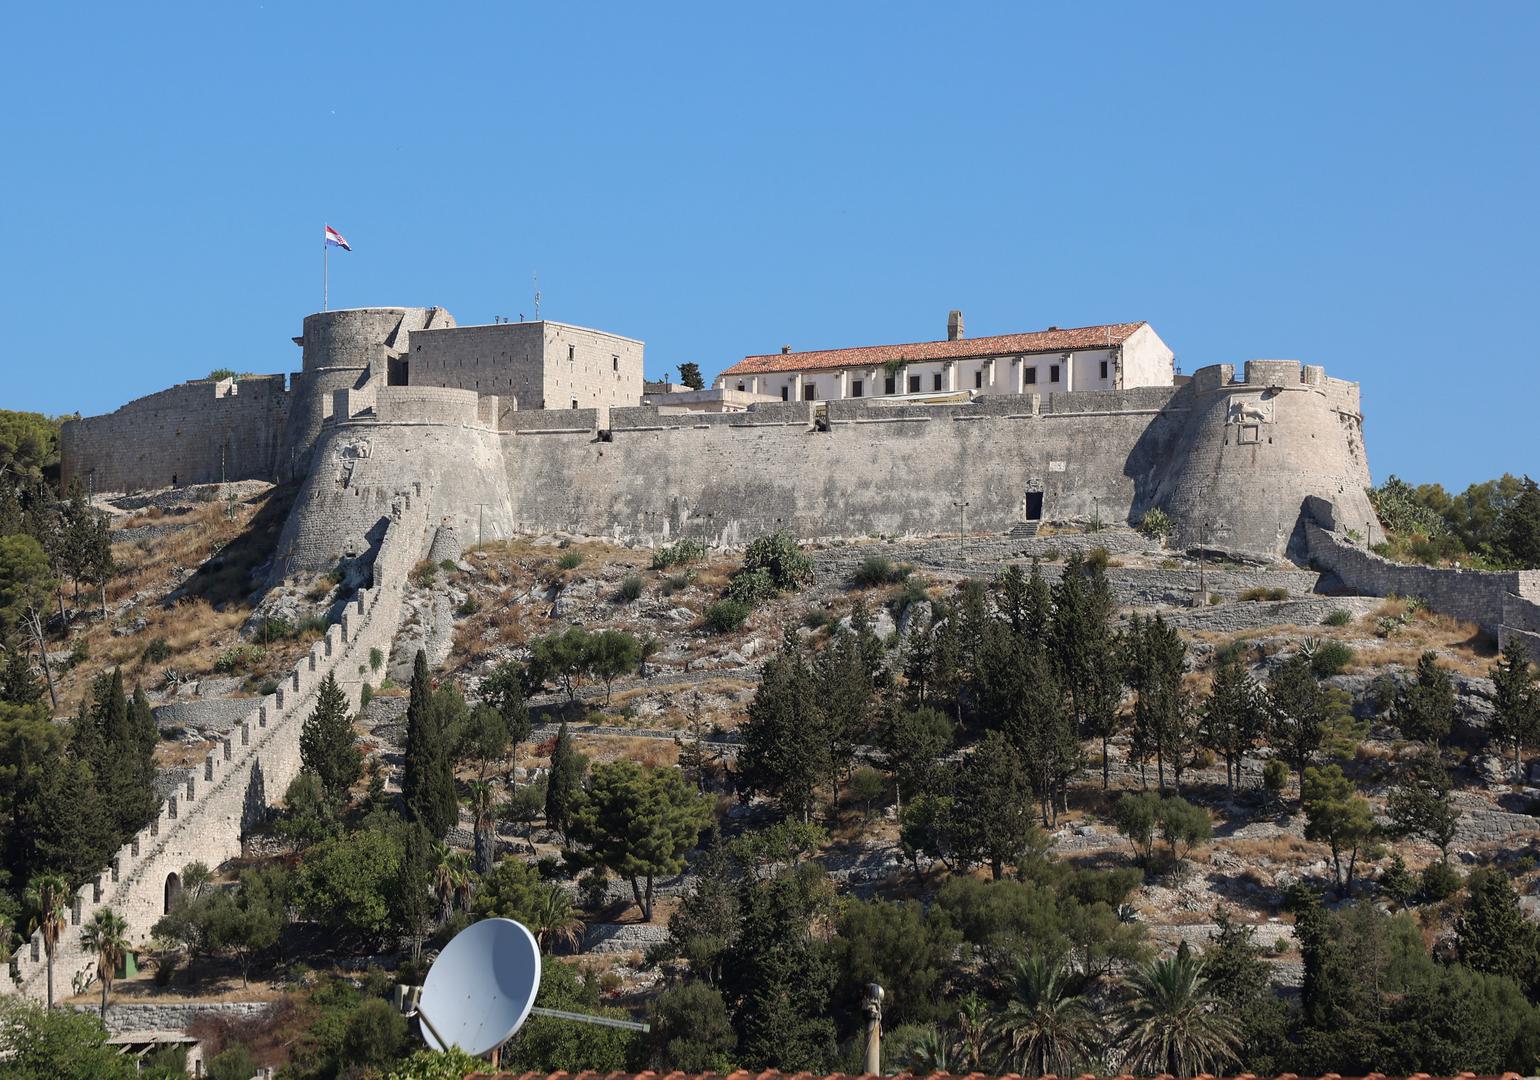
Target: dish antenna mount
{"type": "Point", "coordinates": [482, 988]}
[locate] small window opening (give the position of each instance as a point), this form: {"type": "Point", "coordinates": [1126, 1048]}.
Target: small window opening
{"type": "Point", "coordinates": [936, 381]}
{"type": "Point", "coordinates": [855, 388]}
{"type": "Point", "coordinates": [1031, 375]}
{"type": "Point", "coordinates": [887, 385]}
{"type": "Point", "coordinates": [914, 384]}
{"type": "Point", "coordinates": [1053, 372]}
{"type": "Point", "coordinates": [978, 380]}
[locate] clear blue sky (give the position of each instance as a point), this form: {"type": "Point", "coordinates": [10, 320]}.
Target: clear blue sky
{"type": "Point", "coordinates": [1352, 184]}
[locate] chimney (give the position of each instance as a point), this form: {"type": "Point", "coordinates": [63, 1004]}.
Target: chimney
{"type": "Point", "coordinates": [785, 349]}
{"type": "Point", "coordinates": [954, 326]}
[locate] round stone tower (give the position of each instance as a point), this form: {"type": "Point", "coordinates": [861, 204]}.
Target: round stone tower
{"type": "Point", "coordinates": [1255, 449]}
{"type": "Point", "coordinates": [344, 350]}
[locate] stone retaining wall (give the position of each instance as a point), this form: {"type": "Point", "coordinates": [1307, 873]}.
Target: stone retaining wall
{"type": "Point", "coordinates": [175, 1016]}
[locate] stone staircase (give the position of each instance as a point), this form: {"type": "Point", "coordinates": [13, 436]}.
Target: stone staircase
{"type": "Point", "coordinates": [1023, 530]}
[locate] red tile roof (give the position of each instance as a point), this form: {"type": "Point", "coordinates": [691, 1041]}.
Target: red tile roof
{"type": "Point", "coordinates": [744, 1074]}
{"type": "Point", "coordinates": [1038, 341]}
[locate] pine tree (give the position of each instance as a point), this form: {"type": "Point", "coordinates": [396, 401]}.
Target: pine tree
{"type": "Point", "coordinates": [327, 744]}
{"type": "Point", "coordinates": [844, 699]}
{"type": "Point", "coordinates": [1519, 528]}
{"type": "Point", "coordinates": [990, 800]}
{"type": "Point", "coordinates": [18, 685]}
{"type": "Point", "coordinates": [1515, 705]}
{"type": "Point", "coordinates": [1163, 718]}
{"type": "Point", "coordinates": [427, 784]}
{"type": "Point", "coordinates": [785, 749]}
{"type": "Point", "coordinates": [1424, 709]}
{"type": "Point", "coordinates": [1233, 717]}
{"type": "Point", "coordinates": [1492, 933]}
{"type": "Point", "coordinates": [564, 784]}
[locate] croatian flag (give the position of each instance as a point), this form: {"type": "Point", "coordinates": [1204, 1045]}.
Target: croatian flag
{"type": "Point", "coordinates": [334, 239]}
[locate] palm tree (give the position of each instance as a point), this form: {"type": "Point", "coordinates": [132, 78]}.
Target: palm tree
{"type": "Point", "coordinates": [552, 918]}
{"type": "Point", "coordinates": [934, 1051]}
{"type": "Point", "coordinates": [451, 878]}
{"type": "Point", "coordinates": [972, 1027]}
{"type": "Point", "coordinates": [483, 809]}
{"type": "Point", "coordinates": [1172, 1022]}
{"type": "Point", "coordinates": [107, 936]}
{"type": "Point", "coordinates": [48, 897]}
{"type": "Point", "coordinates": [1046, 1026]}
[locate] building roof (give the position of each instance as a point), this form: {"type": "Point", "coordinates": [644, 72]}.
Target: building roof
{"type": "Point", "coordinates": [746, 1074]}
{"type": "Point", "coordinates": [1037, 341]}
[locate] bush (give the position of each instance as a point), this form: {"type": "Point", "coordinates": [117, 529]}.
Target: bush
{"type": "Point", "coordinates": [1156, 524]}
{"type": "Point", "coordinates": [365, 695]}
{"type": "Point", "coordinates": [908, 592]}
{"type": "Point", "coordinates": [570, 560]}
{"type": "Point", "coordinates": [238, 658]}
{"type": "Point", "coordinates": [725, 616]}
{"type": "Point", "coordinates": [158, 651]}
{"type": "Point", "coordinates": [1330, 658]}
{"type": "Point", "coordinates": [468, 607]}
{"type": "Point", "coordinates": [275, 628]}
{"type": "Point", "coordinates": [779, 556]}
{"type": "Point", "coordinates": [236, 1063]}
{"type": "Point", "coordinates": [548, 867]}
{"type": "Point", "coordinates": [866, 787]}
{"type": "Point", "coordinates": [1338, 617]}
{"type": "Point", "coordinates": [817, 619]}
{"type": "Point", "coordinates": [675, 583]}
{"type": "Point", "coordinates": [678, 554]}
{"type": "Point", "coordinates": [876, 570]}
{"type": "Point", "coordinates": [1099, 558]}
{"type": "Point", "coordinates": [423, 573]}
{"type": "Point", "coordinates": [630, 589]}
{"type": "Point", "coordinates": [1440, 881]}
{"type": "Point", "coordinates": [751, 587]}
{"type": "Point", "coordinates": [376, 659]}
{"type": "Point", "coordinates": [1262, 592]}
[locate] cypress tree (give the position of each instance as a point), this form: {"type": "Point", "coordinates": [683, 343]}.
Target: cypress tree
{"type": "Point", "coordinates": [427, 784]}
{"type": "Point", "coordinates": [18, 685]}
{"type": "Point", "coordinates": [327, 745]}
{"type": "Point", "coordinates": [564, 785]}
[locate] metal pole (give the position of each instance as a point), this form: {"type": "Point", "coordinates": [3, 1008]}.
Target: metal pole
{"type": "Point", "coordinates": [873, 1008]}
{"type": "Point", "coordinates": [602, 1021]}
{"type": "Point", "coordinates": [323, 269]}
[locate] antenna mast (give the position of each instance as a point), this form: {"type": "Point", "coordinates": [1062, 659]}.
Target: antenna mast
{"type": "Point", "coordinates": [537, 295]}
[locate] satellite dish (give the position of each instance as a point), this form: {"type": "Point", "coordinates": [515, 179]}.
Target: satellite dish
{"type": "Point", "coordinates": [480, 989]}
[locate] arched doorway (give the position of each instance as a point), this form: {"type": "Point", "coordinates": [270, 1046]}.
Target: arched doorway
{"type": "Point", "coordinates": [173, 891]}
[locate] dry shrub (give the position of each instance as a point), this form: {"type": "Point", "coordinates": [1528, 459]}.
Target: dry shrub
{"type": "Point", "coordinates": [1289, 850]}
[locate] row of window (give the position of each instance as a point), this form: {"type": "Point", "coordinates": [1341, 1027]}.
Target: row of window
{"type": "Point", "coordinates": [858, 386]}
{"type": "Point", "coordinates": [572, 356]}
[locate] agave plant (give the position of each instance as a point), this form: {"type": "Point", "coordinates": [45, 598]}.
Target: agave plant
{"type": "Point", "coordinates": [1172, 1023]}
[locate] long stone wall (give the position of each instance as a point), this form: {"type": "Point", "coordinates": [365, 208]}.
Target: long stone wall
{"type": "Point", "coordinates": [1504, 603]}
{"type": "Point", "coordinates": [201, 432]}
{"type": "Point", "coordinates": [251, 768]}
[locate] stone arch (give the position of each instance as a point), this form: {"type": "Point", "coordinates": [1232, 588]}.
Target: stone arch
{"type": "Point", "coordinates": [173, 891]}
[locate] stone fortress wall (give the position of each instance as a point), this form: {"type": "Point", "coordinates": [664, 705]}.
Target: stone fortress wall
{"type": "Point", "coordinates": [252, 768]}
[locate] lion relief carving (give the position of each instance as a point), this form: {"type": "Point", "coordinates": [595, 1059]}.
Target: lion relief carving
{"type": "Point", "coordinates": [1249, 410]}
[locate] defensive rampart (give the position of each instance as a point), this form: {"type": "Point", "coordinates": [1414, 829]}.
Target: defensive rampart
{"type": "Point", "coordinates": [1503, 603]}
{"type": "Point", "coordinates": [202, 432]}
{"type": "Point", "coordinates": [251, 768]}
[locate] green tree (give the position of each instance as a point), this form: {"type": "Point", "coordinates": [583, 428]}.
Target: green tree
{"type": "Point", "coordinates": [1518, 530]}
{"type": "Point", "coordinates": [345, 883]}
{"type": "Point", "coordinates": [691, 1030]}
{"type": "Point", "coordinates": [25, 586]}
{"type": "Point", "coordinates": [1419, 803]}
{"type": "Point", "coordinates": [1424, 709]}
{"type": "Point", "coordinates": [913, 742]}
{"type": "Point", "coordinates": [1492, 934]}
{"type": "Point", "coordinates": [48, 899]}
{"type": "Point", "coordinates": [784, 751]}
{"type": "Point", "coordinates": [705, 924]}
{"type": "Point", "coordinates": [545, 1045]}
{"type": "Point", "coordinates": [1164, 722]}
{"type": "Point", "coordinates": [506, 691]}
{"type": "Point", "coordinates": [989, 795]}
{"type": "Point", "coordinates": [1170, 1022]}
{"type": "Point", "coordinates": [1301, 711]}
{"type": "Point", "coordinates": [640, 823]}
{"type": "Point", "coordinates": [611, 654]}
{"type": "Point", "coordinates": [49, 1044]}
{"type": "Point", "coordinates": [452, 879]}
{"type": "Point", "coordinates": [902, 947]}
{"type": "Point", "coordinates": [410, 895]}
{"type": "Point", "coordinates": [247, 921]}
{"type": "Point", "coordinates": [1233, 716]}
{"type": "Point", "coordinates": [1335, 814]}
{"type": "Point", "coordinates": [1045, 1027]}
{"type": "Point", "coordinates": [689, 374]}
{"type": "Point", "coordinates": [564, 785]}
{"type": "Point", "coordinates": [106, 936]}
{"type": "Point", "coordinates": [565, 657]}
{"type": "Point", "coordinates": [1515, 704]}
{"type": "Point", "coordinates": [29, 444]}
{"type": "Point", "coordinates": [427, 783]}
{"type": "Point", "coordinates": [327, 743]}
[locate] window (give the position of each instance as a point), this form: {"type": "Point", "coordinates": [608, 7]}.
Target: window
{"type": "Point", "coordinates": [808, 392]}
{"type": "Point", "coordinates": [1031, 375]}
{"type": "Point", "coordinates": [936, 379]}
{"type": "Point", "coordinates": [785, 393]}
{"type": "Point", "coordinates": [615, 361]}
{"type": "Point", "coordinates": [855, 388]}
{"type": "Point", "coordinates": [914, 384]}
{"type": "Point", "coordinates": [574, 403]}
{"type": "Point", "coordinates": [978, 380]}
{"type": "Point", "coordinates": [1104, 369]}
{"type": "Point", "coordinates": [740, 388]}
{"type": "Point", "coordinates": [571, 353]}
{"type": "Point", "coordinates": [887, 385]}
{"type": "Point", "coordinates": [1053, 372]}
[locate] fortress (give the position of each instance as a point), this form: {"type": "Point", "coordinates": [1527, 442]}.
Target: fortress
{"type": "Point", "coordinates": [534, 427]}
{"type": "Point", "coordinates": [408, 435]}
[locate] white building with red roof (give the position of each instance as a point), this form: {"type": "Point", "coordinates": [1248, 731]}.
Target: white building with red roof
{"type": "Point", "coordinates": [1115, 356]}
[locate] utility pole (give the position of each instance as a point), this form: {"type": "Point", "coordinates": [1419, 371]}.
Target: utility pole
{"type": "Point", "coordinates": [962, 525]}
{"type": "Point", "coordinates": [1202, 543]}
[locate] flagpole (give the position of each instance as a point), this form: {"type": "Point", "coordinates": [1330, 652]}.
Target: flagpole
{"type": "Point", "coordinates": [323, 268]}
